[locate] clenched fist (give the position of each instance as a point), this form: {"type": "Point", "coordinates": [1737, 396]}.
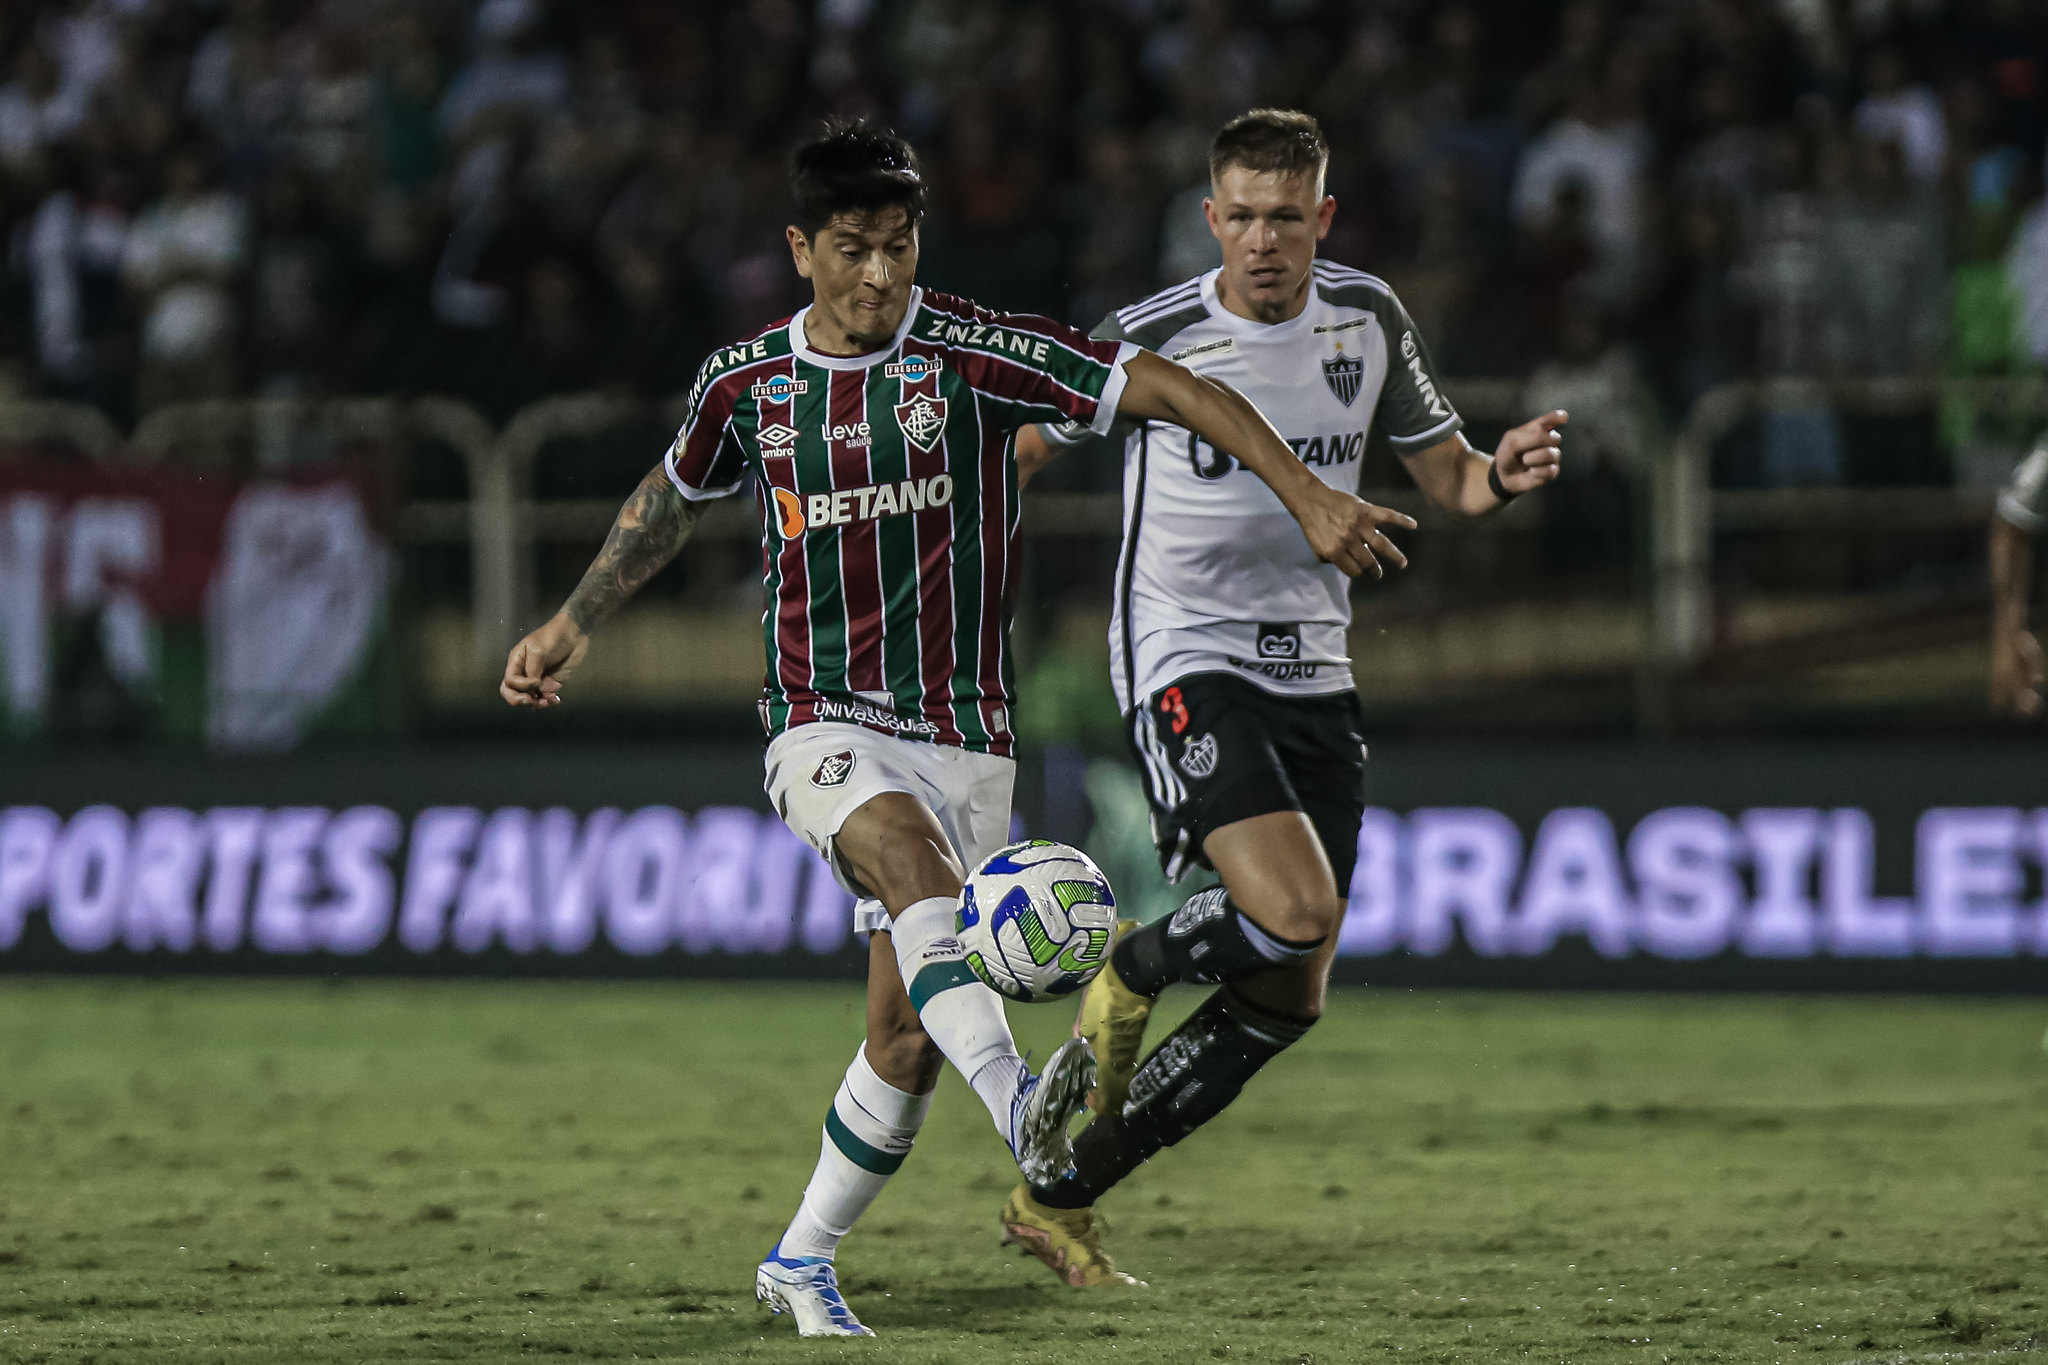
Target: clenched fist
{"type": "Point", "coordinates": [537, 664]}
{"type": "Point", "coordinates": [1531, 454]}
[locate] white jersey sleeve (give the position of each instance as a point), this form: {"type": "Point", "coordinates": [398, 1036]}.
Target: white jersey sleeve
{"type": "Point", "coordinates": [2024, 499]}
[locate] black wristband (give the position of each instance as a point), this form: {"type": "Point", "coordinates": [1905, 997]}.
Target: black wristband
{"type": "Point", "coordinates": [1493, 483]}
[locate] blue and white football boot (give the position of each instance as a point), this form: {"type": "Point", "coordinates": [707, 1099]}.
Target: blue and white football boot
{"type": "Point", "coordinates": [806, 1288]}
{"type": "Point", "coordinates": [1044, 1105]}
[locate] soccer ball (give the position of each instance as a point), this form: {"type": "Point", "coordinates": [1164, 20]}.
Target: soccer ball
{"type": "Point", "coordinates": [1036, 919]}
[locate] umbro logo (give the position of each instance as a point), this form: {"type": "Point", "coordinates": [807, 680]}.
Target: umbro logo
{"type": "Point", "coordinates": [776, 434]}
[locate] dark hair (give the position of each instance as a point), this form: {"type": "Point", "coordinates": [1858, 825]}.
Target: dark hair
{"type": "Point", "coordinates": [853, 166]}
{"type": "Point", "coordinates": [1283, 140]}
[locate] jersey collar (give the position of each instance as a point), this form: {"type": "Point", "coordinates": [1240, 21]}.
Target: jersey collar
{"type": "Point", "coordinates": [1252, 328]}
{"type": "Point", "coordinates": [802, 346]}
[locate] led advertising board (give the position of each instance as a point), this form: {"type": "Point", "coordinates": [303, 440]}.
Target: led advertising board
{"type": "Point", "coordinates": [1631, 890]}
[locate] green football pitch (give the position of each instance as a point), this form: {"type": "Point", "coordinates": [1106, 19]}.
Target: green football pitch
{"type": "Point", "coordinates": [431, 1171]}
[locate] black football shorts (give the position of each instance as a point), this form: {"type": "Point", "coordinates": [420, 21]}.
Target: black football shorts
{"type": "Point", "coordinates": [1216, 749]}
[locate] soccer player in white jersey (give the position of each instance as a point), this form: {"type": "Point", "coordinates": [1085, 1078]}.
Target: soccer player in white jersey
{"type": "Point", "coordinates": [1228, 650]}
{"type": "Point", "coordinates": [877, 427]}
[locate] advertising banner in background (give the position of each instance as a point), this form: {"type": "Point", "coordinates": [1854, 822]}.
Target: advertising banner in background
{"type": "Point", "coordinates": [149, 602]}
{"type": "Point", "coordinates": [1859, 867]}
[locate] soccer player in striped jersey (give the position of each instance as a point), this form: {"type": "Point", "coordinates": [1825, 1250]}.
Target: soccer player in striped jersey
{"type": "Point", "coordinates": [878, 427]}
{"type": "Point", "coordinates": [1229, 656]}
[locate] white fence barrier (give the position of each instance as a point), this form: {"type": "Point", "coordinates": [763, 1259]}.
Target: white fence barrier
{"type": "Point", "coordinates": [504, 523]}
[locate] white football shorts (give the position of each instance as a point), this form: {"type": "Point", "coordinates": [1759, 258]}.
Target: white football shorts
{"type": "Point", "coordinates": [819, 774]}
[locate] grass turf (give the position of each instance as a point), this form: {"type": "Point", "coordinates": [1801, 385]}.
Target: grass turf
{"type": "Point", "coordinates": [408, 1171]}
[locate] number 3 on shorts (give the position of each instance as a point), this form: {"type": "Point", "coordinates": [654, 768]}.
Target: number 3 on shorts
{"type": "Point", "coordinates": [1170, 704]}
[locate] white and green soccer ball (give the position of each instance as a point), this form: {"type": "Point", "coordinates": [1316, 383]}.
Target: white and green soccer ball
{"type": "Point", "coordinates": [1036, 919]}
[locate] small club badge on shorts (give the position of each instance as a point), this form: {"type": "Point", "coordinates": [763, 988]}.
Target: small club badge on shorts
{"type": "Point", "coordinates": [834, 769]}
{"type": "Point", "coordinates": [1198, 759]}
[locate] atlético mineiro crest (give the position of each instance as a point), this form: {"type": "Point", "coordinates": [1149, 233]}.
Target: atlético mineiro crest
{"type": "Point", "coordinates": [779, 388]}
{"type": "Point", "coordinates": [834, 769]}
{"type": "Point", "coordinates": [1344, 374]}
{"type": "Point", "coordinates": [923, 420]}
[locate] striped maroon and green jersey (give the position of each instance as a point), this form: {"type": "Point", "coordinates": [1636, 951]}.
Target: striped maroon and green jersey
{"type": "Point", "coordinates": [888, 501]}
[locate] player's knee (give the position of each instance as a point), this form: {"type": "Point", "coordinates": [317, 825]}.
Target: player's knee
{"type": "Point", "coordinates": [1297, 914]}
{"type": "Point", "coordinates": [911, 863]}
{"type": "Point", "coordinates": [903, 1053]}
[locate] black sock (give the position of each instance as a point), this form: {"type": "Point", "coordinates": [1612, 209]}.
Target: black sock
{"type": "Point", "coordinates": [1188, 1080]}
{"type": "Point", "coordinates": [1207, 940]}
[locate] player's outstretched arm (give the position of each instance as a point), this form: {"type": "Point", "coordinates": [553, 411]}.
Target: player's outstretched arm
{"type": "Point", "coordinates": [646, 534]}
{"type": "Point", "coordinates": [1034, 453]}
{"type": "Point", "coordinates": [1460, 480]}
{"type": "Point", "coordinates": [1341, 528]}
{"type": "Point", "coordinates": [2016, 668]}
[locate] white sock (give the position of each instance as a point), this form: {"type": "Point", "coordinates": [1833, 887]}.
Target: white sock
{"type": "Point", "coordinates": [868, 1132]}
{"type": "Point", "coordinates": [963, 1016]}
{"type": "Point", "coordinates": [996, 1083]}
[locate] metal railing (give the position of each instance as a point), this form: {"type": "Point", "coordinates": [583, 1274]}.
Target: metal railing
{"type": "Point", "coordinates": [1685, 511]}
{"type": "Point", "coordinates": [505, 522]}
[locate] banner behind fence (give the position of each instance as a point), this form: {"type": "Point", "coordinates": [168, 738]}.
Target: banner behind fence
{"type": "Point", "coordinates": [1893, 867]}
{"type": "Point", "coordinates": [150, 602]}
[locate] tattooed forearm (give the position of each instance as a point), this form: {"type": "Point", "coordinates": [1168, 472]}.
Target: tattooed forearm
{"type": "Point", "coordinates": [649, 530]}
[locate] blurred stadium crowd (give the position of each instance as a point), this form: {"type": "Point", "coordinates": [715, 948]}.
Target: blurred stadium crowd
{"type": "Point", "coordinates": [506, 199]}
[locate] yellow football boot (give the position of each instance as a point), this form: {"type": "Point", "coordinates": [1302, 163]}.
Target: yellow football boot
{"type": "Point", "coordinates": [1067, 1240]}
{"type": "Point", "coordinates": [1112, 1019]}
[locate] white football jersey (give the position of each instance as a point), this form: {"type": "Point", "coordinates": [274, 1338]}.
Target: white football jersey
{"type": "Point", "coordinates": [1215, 576]}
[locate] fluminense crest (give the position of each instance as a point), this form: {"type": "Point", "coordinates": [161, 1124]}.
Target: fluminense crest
{"type": "Point", "coordinates": [923, 420]}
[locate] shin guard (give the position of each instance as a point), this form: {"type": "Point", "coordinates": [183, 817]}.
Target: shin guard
{"type": "Point", "coordinates": [1188, 1080]}
{"type": "Point", "coordinates": [1208, 940]}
